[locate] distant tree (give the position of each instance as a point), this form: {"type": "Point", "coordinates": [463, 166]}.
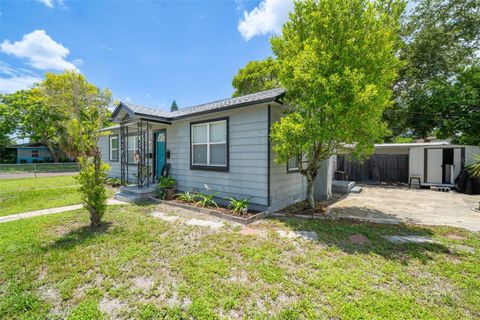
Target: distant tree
{"type": "Point", "coordinates": [35, 119]}
{"type": "Point", "coordinates": [8, 125]}
{"type": "Point", "coordinates": [256, 76]}
{"type": "Point", "coordinates": [85, 108]}
{"type": "Point", "coordinates": [337, 61]}
{"type": "Point", "coordinates": [458, 107]}
{"type": "Point", "coordinates": [441, 38]}
{"type": "Point", "coordinates": [174, 106]}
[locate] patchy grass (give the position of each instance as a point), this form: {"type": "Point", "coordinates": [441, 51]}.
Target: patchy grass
{"type": "Point", "coordinates": [135, 266]}
{"type": "Point", "coordinates": [28, 194]}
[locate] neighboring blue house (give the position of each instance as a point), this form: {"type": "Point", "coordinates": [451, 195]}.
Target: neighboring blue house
{"type": "Point", "coordinates": [31, 152]}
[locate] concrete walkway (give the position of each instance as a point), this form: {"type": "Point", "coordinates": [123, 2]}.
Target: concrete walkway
{"type": "Point", "coordinates": [44, 212]}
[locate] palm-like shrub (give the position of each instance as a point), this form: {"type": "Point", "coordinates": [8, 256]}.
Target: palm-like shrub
{"type": "Point", "coordinates": [186, 196]}
{"type": "Point", "coordinates": [238, 206]}
{"type": "Point", "coordinates": [474, 168]}
{"type": "Point", "coordinates": [206, 200]}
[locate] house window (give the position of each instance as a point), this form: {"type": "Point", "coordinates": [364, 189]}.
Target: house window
{"type": "Point", "coordinates": [292, 165]}
{"type": "Point", "coordinates": [132, 148]}
{"type": "Point", "coordinates": [209, 145]}
{"type": "Point", "coordinates": [34, 153]}
{"type": "Point", "coordinates": [114, 148]}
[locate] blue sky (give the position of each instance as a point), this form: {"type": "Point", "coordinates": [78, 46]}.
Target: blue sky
{"type": "Point", "coordinates": [146, 52]}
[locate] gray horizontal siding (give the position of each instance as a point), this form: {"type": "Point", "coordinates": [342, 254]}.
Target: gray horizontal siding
{"type": "Point", "coordinates": [248, 172]}
{"type": "Point", "coordinates": [285, 189]}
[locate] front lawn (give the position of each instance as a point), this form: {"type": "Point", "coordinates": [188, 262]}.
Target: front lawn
{"type": "Point", "coordinates": [138, 267]}
{"type": "Point", "coordinates": [28, 194]}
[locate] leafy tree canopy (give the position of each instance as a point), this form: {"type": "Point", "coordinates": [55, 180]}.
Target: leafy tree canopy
{"type": "Point", "coordinates": [174, 106]}
{"type": "Point", "coordinates": [256, 76]}
{"type": "Point", "coordinates": [441, 39]}
{"type": "Point", "coordinates": [337, 61]}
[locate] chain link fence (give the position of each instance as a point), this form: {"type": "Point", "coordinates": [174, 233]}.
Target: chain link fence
{"type": "Point", "coordinates": [34, 168]}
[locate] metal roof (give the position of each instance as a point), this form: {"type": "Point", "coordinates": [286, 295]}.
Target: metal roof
{"type": "Point", "coordinates": [411, 145]}
{"type": "Point", "coordinates": [225, 104]}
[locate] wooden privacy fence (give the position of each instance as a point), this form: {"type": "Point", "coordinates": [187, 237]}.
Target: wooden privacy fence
{"type": "Point", "coordinates": [379, 167]}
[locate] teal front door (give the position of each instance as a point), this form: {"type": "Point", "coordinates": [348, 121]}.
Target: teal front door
{"type": "Point", "coordinates": [160, 144]}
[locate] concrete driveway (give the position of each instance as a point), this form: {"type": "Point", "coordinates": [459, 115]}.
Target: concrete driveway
{"type": "Point", "coordinates": [384, 204]}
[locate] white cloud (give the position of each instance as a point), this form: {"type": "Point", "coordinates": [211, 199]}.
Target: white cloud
{"type": "Point", "coordinates": [268, 17]}
{"type": "Point", "coordinates": [12, 80]}
{"type": "Point", "coordinates": [41, 51]}
{"type": "Point", "coordinates": [51, 3]}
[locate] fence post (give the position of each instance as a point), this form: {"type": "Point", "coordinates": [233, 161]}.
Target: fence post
{"type": "Point", "coordinates": [35, 170]}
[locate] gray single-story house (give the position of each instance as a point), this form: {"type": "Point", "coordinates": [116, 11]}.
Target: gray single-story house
{"type": "Point", "coordinates": [221, 146]}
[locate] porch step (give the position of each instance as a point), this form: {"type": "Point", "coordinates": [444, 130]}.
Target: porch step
{"type": "Point", "coordinates": [339, 186]}
{"type": "Point", "coordinates": [134, 190]}
{"type": "Point", "coordinates": [129, 197]}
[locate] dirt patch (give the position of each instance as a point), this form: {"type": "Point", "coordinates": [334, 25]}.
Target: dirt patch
{"type": "Point", "coordinates": [248, 231]}
{"type": "Point", "coordinates": [111, 307]}
{"type": "Point", "coordinates": [358, 239]}
{"type": "Point", "coordinates": [453, 236]}
{"type": "Point", "coordinates": [143, 283]}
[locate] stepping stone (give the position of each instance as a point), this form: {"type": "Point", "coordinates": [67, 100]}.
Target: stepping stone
{"type": "Point", "coordinates": [247, 231]}
{"type": "Point", "coordinates": [409, 239]}
{"type": "Point", "coordinates": [358, 239]}
{"type": "Point", "coordinates": [204, 223]}
{"type": "Point", "coordinates": [453, 236]}
{"type": "Point", "coordinates": [164, 217]}
{"type": "Point", "coordinates": [308, 235]}
{"type": "Point", "coordinates": [464, 248]}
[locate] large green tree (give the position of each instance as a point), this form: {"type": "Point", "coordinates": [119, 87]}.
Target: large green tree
{"type": "Point", "coordinates": [441, 39]}
{"type": "Point", "coordinates": [35, 119]}
{"type": "Point", "coordinates": [256, 76]}
{"type": "Point", "coordinates": [337, 61]}
{"type": "Point", "coordinates": [85, 108]}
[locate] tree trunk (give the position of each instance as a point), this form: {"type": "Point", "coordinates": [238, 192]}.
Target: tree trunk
{"type": "Point", "coordinates": [94, 218]}
{"type": "Point", "coordinates": [310, 190]}
{"type": "Point", "coordinates": [51, 148]}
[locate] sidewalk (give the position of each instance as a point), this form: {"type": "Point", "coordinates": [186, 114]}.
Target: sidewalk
{"type": "Point", "coordinates": [43, 212]}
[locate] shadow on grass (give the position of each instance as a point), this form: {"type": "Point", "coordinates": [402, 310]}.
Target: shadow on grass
{"type": "Point", "coordinates": [80, 235]}
{"type": "Point", "coordinates": [336, 233]}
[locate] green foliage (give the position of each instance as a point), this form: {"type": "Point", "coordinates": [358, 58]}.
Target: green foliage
{"type": "Point", "coordinates": [256, 76]}
{"type": "Point", "coordinates": [92, 176]}
{"type": "Point", "coordinates": [114, 182]}
{"type": "Point", "coordinates": [403, 139]}
{"type": "Point", "coordinates": [167, 183]}
{"type": "Point", "coordinates": [206, 200]}
{"type": "Point", "coordinates": [174, 106]}
{"type": "Point", "coordinates": [159, 192]}
{"type": "Point", "coordinates": [474, 168]}
{"type": "Point", "coordinates": [441, 38]}
{"type": "Point", "coordinates": [85, 108]}
{"type": "Point", "coordinates": [186, 196]}
{"type": "Point", "coordinates": [337, 61]}
{"type": "Point", "coordinates": [238, 206]}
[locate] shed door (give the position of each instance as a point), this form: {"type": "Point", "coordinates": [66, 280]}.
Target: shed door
{"type": "Point", "coordinates": [457, 163]}
{"type": "Point", "coordinates": [434, 165]}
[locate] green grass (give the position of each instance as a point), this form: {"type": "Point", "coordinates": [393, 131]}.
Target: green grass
{"type": "Point", "coordinates": [28, 194]}
{"type": "Point", "coordinates": [39, 167]}
{"type": "Point", "coordinates": [138, 267]}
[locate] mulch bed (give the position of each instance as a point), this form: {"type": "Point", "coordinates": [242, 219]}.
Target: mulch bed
{"type": "Point", "coordinates": [303, 209]}
{"type": "Point", "coordinates": [250, 213]}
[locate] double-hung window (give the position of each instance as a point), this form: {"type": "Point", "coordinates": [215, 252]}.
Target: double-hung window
{"type": "Point", "coordinates": [209, 145]}
{"type": "Point", "coordinates": [113, 140]}
{"type": "Point", "coordinates": [292, 165]}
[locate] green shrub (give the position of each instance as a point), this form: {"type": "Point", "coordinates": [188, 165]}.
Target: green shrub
{"type": "Point", "coordinates": [474, 168]}
{"type": "Point", "coordinates": [186, 196]}
{"type": "Point", "coordinates": [167, 183]}
{"type": "Point", "coordinates": [206, 200]}
{"type": "Point", "coordinates": [238, 206]}
{"type": "Point", "coordinates": [114, 182]}
{"type": "Point", "coordinates": [91, 177]}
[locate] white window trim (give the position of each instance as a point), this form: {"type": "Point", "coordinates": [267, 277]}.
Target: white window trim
{"type": "Point", "coordinates": [292, 169]}
{"type": "Point", "coordinates": [208, 143]}
{"type": "Point", "coordinates": [110, 139]}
